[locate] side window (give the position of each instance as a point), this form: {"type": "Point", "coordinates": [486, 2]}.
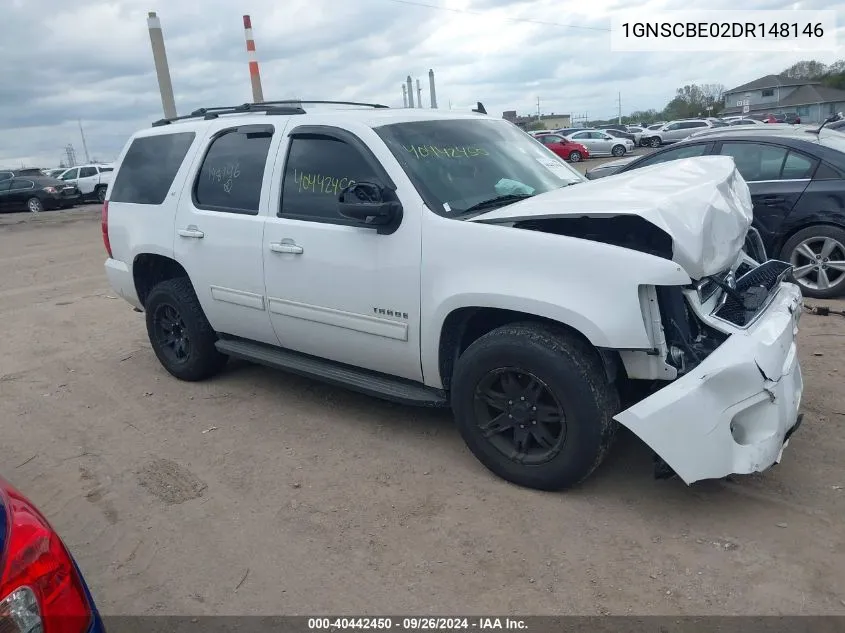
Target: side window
{"type": "Point", "coordinates": [70, 174]}
{"type": "Point", "coordinates": [5, 185]}
{"type": "Point", "coordinates": [232, 172]}
{"type": "Point", "coordinates": [673, 126]}
{"type": "Point", "coordinates": [149, 167]}
{"type": "Point", "coordinates": [87, 172]}
{"type": "Point", "coordinates": [797, 167]}
{"type": "Point", "coordinates": [551, 139]}
{"type": "Point", "coordinates": [5, 175]}
{"type": "Point", "coordinates": [581, 135]}
{"type": "Point", "coordinates": [105, 169]}
{"type": "Point", "coordinates": [21, 184]}
{"type": "Point", "coordinates": [756, 161]}
{"type": "Point", "coordinates": [824, 172]}
{"type": "Point", "coordinates": [676, 153]}
{"type": "Point", "coordinates": [318, 168]}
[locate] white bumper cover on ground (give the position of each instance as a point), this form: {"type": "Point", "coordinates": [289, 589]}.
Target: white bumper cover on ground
{"type": "Point", "coordinates": [732, 413]}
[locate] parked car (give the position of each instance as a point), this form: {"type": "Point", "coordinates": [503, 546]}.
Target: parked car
{"type": "Point", "coordinates": [792, 118]}
{"type": "Point", "coordinates": [637, 132]}
{"type": "Point", "coordinates": [55, 173]}
{"type": "Point", "coordinates": [42, 586]}
{"type": "Point", "coordinates": [364, 247]}
{"type": "Point", "coordinates": [744, 122]}
{"type": "Point", "coordinates": [678, 130]}
{"type": "Point", "coordinates": [566, 131]}
{"type": "Point", "coordinates": [797, 182]}
{"type": "Point", "coordinates": [601, 144]}
{"type": "Point", "coordinates": [91, 180]}
{"type": "Point", "coordinates": [618, 134]}
{"type": "Point", "coordinates": [563, 147]}
{"type": "Point", "coordinates": [7, 174]}
{"type": "Point", "coordinates": [36, 193]}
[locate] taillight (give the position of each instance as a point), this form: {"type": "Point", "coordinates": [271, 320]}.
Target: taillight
{"type": "Point", "coordinates": [104, 223]}
{"type": "Point", "coordinates": [40, 589]}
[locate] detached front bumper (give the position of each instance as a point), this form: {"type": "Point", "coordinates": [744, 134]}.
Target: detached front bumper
{"type": "Point", "coordinates": [734, 412]}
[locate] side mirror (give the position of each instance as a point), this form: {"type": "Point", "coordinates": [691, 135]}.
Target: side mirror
{"type": "Point", "coordinates": [371, 205]}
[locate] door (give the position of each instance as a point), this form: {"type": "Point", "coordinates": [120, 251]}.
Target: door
{"type": "Point", "coordinates": [88, 179]}
{"type": "Point", "coordinates": [602, 143]}
{"type": "Point", "coordinates": [219, 224]}
{"type": "Point", "coordinates": [5, 199]}
{"type": "Point", "coordinates": [20, 190]}
{"type": "Point", "coordinates": [776, 176]}
{"type": "Point", "coordinates": [337, 290]}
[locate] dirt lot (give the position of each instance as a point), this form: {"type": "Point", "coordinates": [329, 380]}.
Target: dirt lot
{"type": "Point", "coordinates": [262, 493]}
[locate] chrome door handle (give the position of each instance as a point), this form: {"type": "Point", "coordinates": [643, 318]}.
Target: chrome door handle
{"type": "Point", "coordinates": [286, 247]}
{"type": "Point", "coordinates": [191, 231]}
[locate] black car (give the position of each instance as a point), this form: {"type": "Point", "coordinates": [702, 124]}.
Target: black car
{"type": "Point", "coordinates": [36, 193]}
{"type": "Point", "coordinates": [797, 183]}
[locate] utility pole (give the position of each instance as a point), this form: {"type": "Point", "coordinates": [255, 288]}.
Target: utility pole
{"type": "Point", "coordinates": [168, 103]}
{"type": "Point", "coordinates": [539, 116]}
{"type": "Point", "coordinates": [620, 108]}
{"type": "Point", "coordinates": [84, 144]}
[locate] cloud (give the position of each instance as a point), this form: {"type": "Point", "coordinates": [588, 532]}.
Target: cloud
{"type": "Point", "coordinates": [90, 60]}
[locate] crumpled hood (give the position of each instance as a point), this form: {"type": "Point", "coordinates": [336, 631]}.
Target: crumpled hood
{"type": "Point", "coordinates": [702, 203]}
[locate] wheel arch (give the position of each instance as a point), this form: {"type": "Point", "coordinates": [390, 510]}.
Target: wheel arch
{"type": "Point", "coordinates": [464, 325]}
{"type": "Point", "coordinates": [150, 269]}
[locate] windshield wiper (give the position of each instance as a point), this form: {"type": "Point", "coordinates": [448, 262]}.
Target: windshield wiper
{"type": "Point", "coordinates": [498, 201]}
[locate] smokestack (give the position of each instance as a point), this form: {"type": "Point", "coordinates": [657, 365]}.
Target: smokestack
{"type": "Point", "coordinates": [419, 94]}
{"type": "Point", "coordinates": [431, 89]}
{"type": "Point", "coordinates": [168, 103]}
{"type": "Point", "coordinates": [404, 96]}
{"type": "Point", "coordinates": [254, 77]}
{"type": "Point", "coordinates": [410, 83]}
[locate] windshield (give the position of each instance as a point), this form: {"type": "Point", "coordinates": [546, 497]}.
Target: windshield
{"type": "Point", "coordinates": [459, 164]}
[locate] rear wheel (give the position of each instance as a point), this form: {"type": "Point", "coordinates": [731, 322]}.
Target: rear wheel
{"type": "Point", "coordinates": [817, 255]}
{"type": "Point", "coordinates": [575, 156]}
{"type": "Point", "coordinates": [34, 205]}
{"type": "Point", "coordinates": [101, 193]}
{"type": "Point", "coordinates": [534, 405]}
{"type": "Point", "coordinates": [180, 335]}
{"type": "Point", "coordinates": [618, 150]}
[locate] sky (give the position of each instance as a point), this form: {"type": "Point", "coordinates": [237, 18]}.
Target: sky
{"type": "Point", "coordinates": [91, 61]}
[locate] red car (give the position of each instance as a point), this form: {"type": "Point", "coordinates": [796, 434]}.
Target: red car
{"type": "Point", "coordinates": [563, 147]}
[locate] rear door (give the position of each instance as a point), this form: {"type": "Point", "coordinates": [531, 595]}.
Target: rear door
{"type": "Point", "coordinates": [777, 177]}
{"type": "Point", "coordinates": [88, 179]}
{"type": "Point", "coordinates": [220, 223]}
{"type": "Point", "coordinates": [5, 200]}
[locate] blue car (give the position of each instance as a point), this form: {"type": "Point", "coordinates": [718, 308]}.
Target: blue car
{"type": "Point", "coordinates": [41, 587]}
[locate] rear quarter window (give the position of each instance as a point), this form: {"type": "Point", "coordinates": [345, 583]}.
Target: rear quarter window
{"type": "Point", "coordinates": [149, 167]}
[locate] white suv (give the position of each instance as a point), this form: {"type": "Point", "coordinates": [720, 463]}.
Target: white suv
{"type": "Point", "coordinates": [91, 180]}
{"type": "Point", "coordinates": [443, 259]}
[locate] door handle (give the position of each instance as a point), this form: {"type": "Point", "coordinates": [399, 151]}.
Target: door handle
{"type": "Point", "coordinates": [191, 231]}
{"type": "Point", "coordinates": [773, 199]}
{"type": "Point", "coordinates": [286, 247]}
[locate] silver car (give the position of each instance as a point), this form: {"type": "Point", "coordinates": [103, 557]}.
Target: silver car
{"type": "Point", "coordinates": [679, 130]}
{"type": "Point", "coordinates": [602, 144]}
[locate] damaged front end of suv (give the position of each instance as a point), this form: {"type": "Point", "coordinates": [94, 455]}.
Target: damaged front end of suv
{"type": "Point", "coordinates": [722, 374]}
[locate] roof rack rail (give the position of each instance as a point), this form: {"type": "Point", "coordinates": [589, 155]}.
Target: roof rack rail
{"type": "Point", "coordinates": [287, 106]}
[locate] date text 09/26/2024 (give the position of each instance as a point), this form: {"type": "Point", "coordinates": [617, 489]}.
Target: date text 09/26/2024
{"type": "Point", "coordinates": [415, 624]}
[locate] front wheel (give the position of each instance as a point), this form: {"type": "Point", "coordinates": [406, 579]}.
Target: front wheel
{"type": "Point", "coordinates": [180, 335]}
{"type": "Point", "coordinates": [35, 205]}
{"type": "Point", "coordinates": [574, 156]}
{"type": "Point", "coordinates": [817, 254]}
{"type": "Point", "coordinates": [618, 150]}
{"type": "Point", "coordinates": [654, 142]}
{"type": "Point", "coordinates": [534, 405]}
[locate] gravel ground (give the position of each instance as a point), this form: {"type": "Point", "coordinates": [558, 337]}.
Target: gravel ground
{"type": "Point", "coordinates": [260, 493]}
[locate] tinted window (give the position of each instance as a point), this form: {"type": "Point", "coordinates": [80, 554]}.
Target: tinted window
{"type": "Point", "coordinates": [5, 175]}
{"type": "Point", "coordinates": [85, 172]}
{"type": "Point", "coordinates": [104, 169]}
{"type": "Point", "coordinates": [149, 167]}
{"type": "Point", "coordinates": [71, 174]}
{"type": "Point", "coordinates": [232, 172]}
{"type": "Point", "coordinates": [676, 153]}
{"type": "Point", "coordinates": [581, 135]}
{"type": "Point", "coordinates": [318, 169]}
{"type": "Point", "coordinates": [22, 183]}
{"type": "Point", "coordinates": [828, 172]}
{"type": "Point", "coordinates": [756, 161]}
{"type": "Point", "coordinates": [797, 166]}
{"type": "Point", "coordinates": [673, 126]}
{"type": "Point", "coordinates": [5, 184]}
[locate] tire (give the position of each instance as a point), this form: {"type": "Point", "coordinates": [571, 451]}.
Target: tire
{"type": "Point", "coordinates": [174, 303]}
{"type": "Point", "coordinates": [572, 377]}
{"type": "Point", "coordinates": [654, 141]}
{"type": "Point", "coordinates": [618, 150]}
{"type": "Point", "coordinates": [34, 205]}
{"type": "Point", "coordinates": [575, 156]}
{"type": "Point", "coordinates": [817, 254]}
{"type": "Point", "coordinates": [100, 192]}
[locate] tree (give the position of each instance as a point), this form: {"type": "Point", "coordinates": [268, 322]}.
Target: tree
{"type": "Point", "coordinates": [535, 125]}
{"type": "Point", "coordinates": [806, 69]}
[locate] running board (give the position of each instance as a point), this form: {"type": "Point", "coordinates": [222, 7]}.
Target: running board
{"type": "Point", "coordinates": [354, 378]}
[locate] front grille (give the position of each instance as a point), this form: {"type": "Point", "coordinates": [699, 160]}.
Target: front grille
{"type": "Point", "coordinates": [753, 291]}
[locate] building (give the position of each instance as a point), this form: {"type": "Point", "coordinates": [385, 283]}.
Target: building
{"type": "Point", "coordinates": [776, 94]}
{"type": "Point", "coordinates": [546, 121]}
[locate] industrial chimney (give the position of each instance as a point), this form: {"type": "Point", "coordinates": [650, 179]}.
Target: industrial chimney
{"type": "Point", "coordinates": [410, 83]}
{"type": "Point", "coordinates": [254, 76]}
{"type": "Point", "coordinates": [404, 96]}
{"type": "Point", "coordinates": [419, 94]}
{"type": "Point", "coordinates": [431, 89]}
{"type": "Point", "coordinates": [162, 69]}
